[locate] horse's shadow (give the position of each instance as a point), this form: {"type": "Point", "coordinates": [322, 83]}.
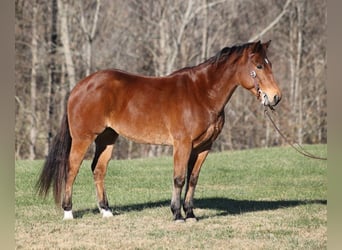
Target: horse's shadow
{"type": "Point", "coordinates": [224, 206]}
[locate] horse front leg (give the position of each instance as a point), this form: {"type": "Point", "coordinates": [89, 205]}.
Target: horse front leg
{"type": "Point", "coordinates": [194, 168]}
{"type": "Point", "coordinates": [181, 155]}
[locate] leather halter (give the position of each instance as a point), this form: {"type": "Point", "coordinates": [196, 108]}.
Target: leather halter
{"type": "Point", "coordinates": [256, 84]}
{"type": "Point", "coordinates": [260, 93]}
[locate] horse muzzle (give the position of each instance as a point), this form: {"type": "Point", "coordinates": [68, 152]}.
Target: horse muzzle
{"type": "Point", "coordinates": [267, 101]}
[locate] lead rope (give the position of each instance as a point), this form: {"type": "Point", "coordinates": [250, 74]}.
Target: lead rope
{"type": "Point", "coordinates": [299, 148]}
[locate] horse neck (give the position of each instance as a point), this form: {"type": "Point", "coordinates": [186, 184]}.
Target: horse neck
{"type": "Point", "coordinates": [221, 82]}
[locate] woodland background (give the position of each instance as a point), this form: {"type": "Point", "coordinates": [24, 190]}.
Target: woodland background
{"type": "Point", "coordinates": [59, 42]}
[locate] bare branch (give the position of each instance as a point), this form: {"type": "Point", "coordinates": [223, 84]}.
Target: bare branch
{"type": "Point", "coordinates": [96, 15]}
{"type": "Point", "coordinates": [273, 23]}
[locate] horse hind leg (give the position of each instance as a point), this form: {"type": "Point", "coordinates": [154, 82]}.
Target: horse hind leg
{"type": "Point", "coordinates": [104, 148]}
{"type": "Point", "coordinates": [77, 152]}
{"type": "Point", "coordinates": [99, 171]}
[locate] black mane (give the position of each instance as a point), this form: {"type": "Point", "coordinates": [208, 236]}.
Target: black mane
{"type": "Point", "coordinates": [220, 56]}
{"type": "Point", "coordinates": [224, 53]}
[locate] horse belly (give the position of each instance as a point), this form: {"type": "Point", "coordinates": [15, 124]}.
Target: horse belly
{"type": "Point", "coordinates": [143, 131]}
{"type": "Point", "coordinates": [141, 110]}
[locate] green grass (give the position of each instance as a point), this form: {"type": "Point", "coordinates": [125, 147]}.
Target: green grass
{"type": "Point", "coordinates": [254, 199]}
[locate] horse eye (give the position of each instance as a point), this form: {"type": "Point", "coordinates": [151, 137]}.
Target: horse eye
{"type": "Point", "coordinates": [259, 66]}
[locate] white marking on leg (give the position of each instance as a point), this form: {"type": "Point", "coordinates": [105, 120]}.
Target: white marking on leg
{"type": "Point", "coordinates": [106, 213]}
{"type": "Point", "coordinates": [191, 220]}
{"type": "Point", "coordinates": [180, 221]}
{"type": "Point", "coordinates": [68, 215]}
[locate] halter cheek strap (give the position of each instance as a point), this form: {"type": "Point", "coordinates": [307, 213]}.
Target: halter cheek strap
{"type": "Point", "coordinates": [256, 84]}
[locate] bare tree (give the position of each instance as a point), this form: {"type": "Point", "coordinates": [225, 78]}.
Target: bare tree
{"type": "Point", "coordinates": [64, 7]}
{"type": "Point", "coordinates": [33, 92]}
{"type": "Point", "coordinates": [53, 79]}
{"type": "Point", "coordinates": [89, 32]}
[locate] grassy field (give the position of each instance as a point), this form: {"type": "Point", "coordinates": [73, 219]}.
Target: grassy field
{"type": "Point", "coordinates": [254, 199]}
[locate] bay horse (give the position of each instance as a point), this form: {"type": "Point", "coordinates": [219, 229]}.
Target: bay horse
{"type": "Point", "coordinates": [184, 109]}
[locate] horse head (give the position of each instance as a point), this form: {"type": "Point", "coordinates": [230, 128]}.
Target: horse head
{"type": "Point", "coordinates": [257, 76]}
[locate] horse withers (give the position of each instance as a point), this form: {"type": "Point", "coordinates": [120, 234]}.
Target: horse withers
{"type": "Point", "coordinates": [184, 109]}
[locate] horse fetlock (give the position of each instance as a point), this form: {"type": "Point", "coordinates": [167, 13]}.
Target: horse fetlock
{"type": "Point", "coordinates": [67, 205]}
{"type": "Point", "coordinates": [176, 211]}
{"type": "Point", "coordinates": [174, 207]}
{"type": "Point", "coordinates": [189, 213]}
{"type": "Point", "coordinates": [103, 204]}
{"type": "Point", "coordinates": [188, 206]}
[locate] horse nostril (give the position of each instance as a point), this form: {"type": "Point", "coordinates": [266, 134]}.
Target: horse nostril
{"type": "Point", "coordinates": [276, 99]}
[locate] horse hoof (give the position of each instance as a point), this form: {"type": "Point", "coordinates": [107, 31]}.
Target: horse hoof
{"type": "Point", "coordinates": [190, 217]}
{"type": "Point", "coordinates": [106, 213]}
{"type": "Point", "coordinates": [68, 215]}
{"type": "Point", "coordinates": [178, 219]}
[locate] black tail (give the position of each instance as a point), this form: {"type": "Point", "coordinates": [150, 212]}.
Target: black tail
{"type": "Point", "coordinates": [56, 166]}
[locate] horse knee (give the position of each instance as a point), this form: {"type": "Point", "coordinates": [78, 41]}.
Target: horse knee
{"type": "Point", "coordinates": [193, 180]}
{"type": "Point", "coordinates": [179, 181]}
{"type": "Point", "coordinates": [98, 174]}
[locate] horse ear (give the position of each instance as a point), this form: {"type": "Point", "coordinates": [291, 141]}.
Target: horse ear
{"type": "Point", "coordinates": [267, 44]}
{"type": "Point", "coordinates": [256, 46]}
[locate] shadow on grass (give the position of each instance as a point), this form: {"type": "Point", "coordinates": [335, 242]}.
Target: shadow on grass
{"type": "Point", "coordinates": [224, 206]}
{"type": "Point", "coordinates": [232, 207]}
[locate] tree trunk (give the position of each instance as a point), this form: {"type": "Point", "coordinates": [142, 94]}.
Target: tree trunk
{"type": "Point", "coordinates": [63, 8]}
{"type": "Point", "coordinates": [33, 85]}
{"type": "Point", "coordinates": [130, 149]}
{"type": "Point", "coordinates": [90, 35]}
{"type": "Point", "coordinates": [298, 94]}
{"type": "Point", "coordinates": [205, 31]}
{"type": "Point", "coordinates": [52, 81]}
{"type": "Point", "coordinates": [296, 46]}
{"type": "Point", "coordinates": [177, 43]}
{"type": "Point", "coordinates": [63, 93]}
